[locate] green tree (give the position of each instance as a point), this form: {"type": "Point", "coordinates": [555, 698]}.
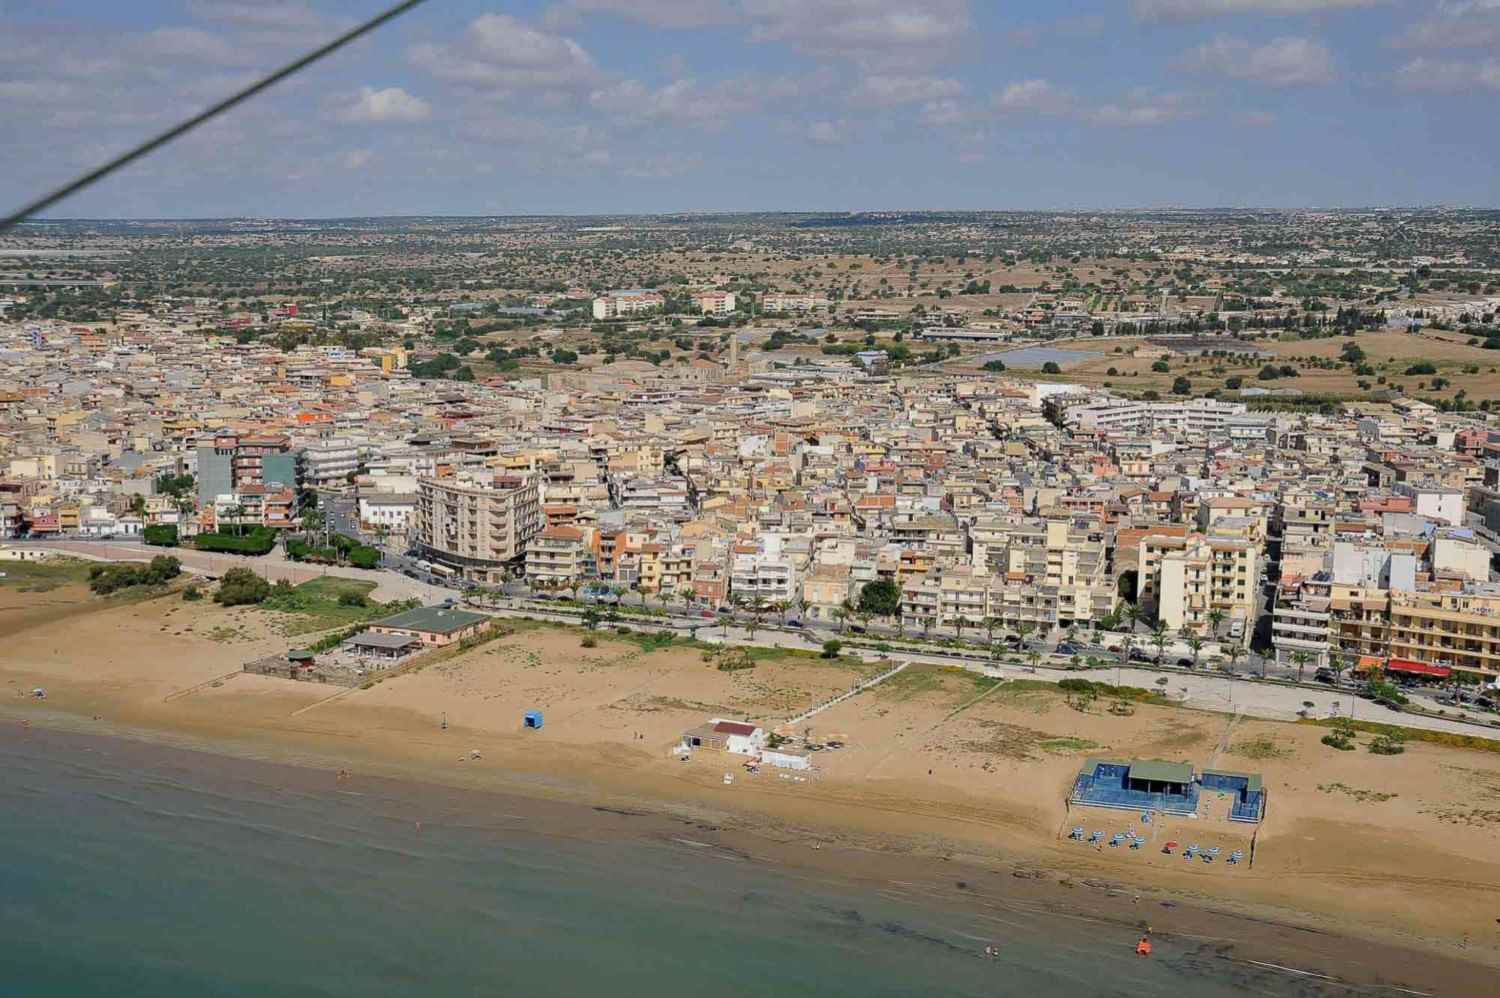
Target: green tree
{"type": "Point", "coordinates": [1159, 639]}
{"type": "Point", "coordinates": [241, 587]}
{"type": "Point", "coordinates": [881, 598]}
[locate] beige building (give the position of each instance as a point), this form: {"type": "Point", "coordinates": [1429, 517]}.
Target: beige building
{"type": "Point", "coordinates": [477, 525]}
{"type": "Point", "coordinates": [555, 557]}
{"type": "Point", "coordinates": [1184, 579]}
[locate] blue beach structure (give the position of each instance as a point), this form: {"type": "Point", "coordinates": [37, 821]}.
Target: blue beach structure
{"type": "Point", "coordinates": [1148, 785]}
{"type": "Point", "coordinates": [532, 719]}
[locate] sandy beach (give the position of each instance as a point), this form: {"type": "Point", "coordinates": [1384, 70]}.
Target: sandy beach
{"type": "Point", "coordinates": [1367, 867]}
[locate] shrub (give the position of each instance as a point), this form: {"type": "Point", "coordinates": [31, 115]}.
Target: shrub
{"type": "Point", "coordinates": [242, 587]}
{"type": "Point", "coordinates": [589, 641]}
{"type": "Point", "coordinates": [831, 649]}
{"type": "Point", "coordinates": [1388, 743]}
{"type": "Point", "coordinates": [161, 535]}
{"type": "Point", "coordinates": [1161, 367]}
{"type": "Point", "coordinates": [1422, 367]}
{"type": "Point", "coordinates": [1338, 740]}
{"type": "Point", "coordinates": [353, 599]}
{"type": "Point", "coordinates": [106, 579]}
{"type": "Point", "coordinates": [191, 594]}
{"type": "Point", "coordinates": [258, 541]}
{"type": "Point", "coordinates": [1051, 368]}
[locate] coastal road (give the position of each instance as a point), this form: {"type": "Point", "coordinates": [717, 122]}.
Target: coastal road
{"type": "Point", "coordinates": [1198, 690]}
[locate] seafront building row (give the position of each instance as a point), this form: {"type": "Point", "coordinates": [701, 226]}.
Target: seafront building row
{"type": "Point", "coordinates": [977, 501]}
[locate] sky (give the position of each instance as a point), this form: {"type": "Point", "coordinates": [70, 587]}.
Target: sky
{"type": "Point", "coordinates": [478, 107]}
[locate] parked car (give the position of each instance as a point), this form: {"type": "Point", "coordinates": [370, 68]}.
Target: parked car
{"type": "Point", "coordinates": [1185, 663]}
{"type": "Point", "coordinates": [1137, 655]}
{"type": "Point", "coordinates": [794, 623]}
{"type": "Point", "coordinates": [1068, 648]}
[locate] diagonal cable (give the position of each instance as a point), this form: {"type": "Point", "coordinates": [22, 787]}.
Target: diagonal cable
{"type": "Point", "coordinates": [150, 145]}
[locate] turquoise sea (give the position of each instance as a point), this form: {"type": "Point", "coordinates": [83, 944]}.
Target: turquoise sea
{"type": "Point", "coordinates": [130, 870]}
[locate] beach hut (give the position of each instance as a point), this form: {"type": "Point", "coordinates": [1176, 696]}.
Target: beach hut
{"type": "Point", "coordinates": [532, 719]}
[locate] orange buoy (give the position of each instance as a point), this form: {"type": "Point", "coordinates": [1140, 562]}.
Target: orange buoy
{"type": "Point", "coordinates": [1143, 948]}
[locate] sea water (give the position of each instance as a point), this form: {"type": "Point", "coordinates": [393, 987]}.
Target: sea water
{"type": "Point", "coordinates": [168, 877]}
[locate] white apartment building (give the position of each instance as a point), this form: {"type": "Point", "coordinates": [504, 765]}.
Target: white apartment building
{"type": "Point", "coordinates": [329, 463]}
{"type": "Point", "coordinates": [715, 302]}
{"type": "Point", "coordinates": [1184, 579]}
{"type": "Point", "coordinates": [390, 513]}
{"type": "Point", "coordinates": [1192, 417]}
{"type": "Point", "coordinates": [627, 301]}
{"type": "Point", "coordinates": [767, 572]}
{"type": "Point", "coordinates": [555, 557]}
{"type": "Point", "coordinates": [778, 302]}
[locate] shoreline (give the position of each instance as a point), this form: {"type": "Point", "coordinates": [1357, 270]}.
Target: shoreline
{"type": "Point", "coordinates": [932, 782]}
{"type": "Point", "coordinates": [937, 873]}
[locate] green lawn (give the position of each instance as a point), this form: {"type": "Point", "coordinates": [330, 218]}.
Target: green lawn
{"type": "Point", "coordinates": [315, 605]}
{"type": "Point", "coordinates": [44, 576]}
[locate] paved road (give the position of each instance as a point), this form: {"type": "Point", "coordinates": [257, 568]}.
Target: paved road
{"type": "Point", "coordinates": [1202, 691]}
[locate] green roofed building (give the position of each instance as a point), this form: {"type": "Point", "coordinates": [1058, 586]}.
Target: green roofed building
{"type": "Point", "coordinates": [1154, 775]}
{"type": "Point", "coordinates": [434, 626]}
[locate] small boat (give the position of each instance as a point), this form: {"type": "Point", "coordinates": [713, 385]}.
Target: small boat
{"type": "Point", "coordinates": [1143, 948]}
{"type": "Point", "coordinates": [728, 778]}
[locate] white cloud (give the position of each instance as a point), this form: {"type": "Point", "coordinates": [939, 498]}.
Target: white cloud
{"type": "Point", "coordinates": [188, 45]}
{"type": "Point", "coordinates": [356, 159]}
{"type": "Point", "coordinates": [874, 32]}
{"type": "Point", "coordinates": [944, 113]}
{"type": "Point", "coordinates": [687, 101]}
{"type": "Point", "coordinates": [674, 14]}
{"type": "Point", "coordinates": [828, 133]}
{"type": "Point", "coordinates": [390, 104]}
{"type": "Point", "coordinates": [661, 167]}
{"type": "Point", "coordinates": [882, 90]}
{"type": "Point", "coordinates": [1034, 96]}
{"type": "Point", "coordinates": [500, 53]}
{"type": "Point", "coordinates": [1202, 10]}
{"type": "Point", "coordinates": [1142, 107]}
{"type": "Point", "coordinates": [1448, 77]}
{"type": "Point", "coordinates": [261, 14]}
{"type": "Point", "coordinates": [1283, 62]}
{"type": "Point", "coordinates": [1455, 25]}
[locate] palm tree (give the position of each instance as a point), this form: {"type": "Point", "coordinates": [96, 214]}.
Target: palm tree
{"type": "Point", "coordinates": [991, 625]}
{"type": "Point", "coordinates": [757, 608]}
{"type": "Point", "coordinates": [1125, 648]}
{"type": "Point", "coordinates": [1195, 643]}
{"type": "Point", "coordinates": [1034, 657]}
{"type": "Point", "coordinates": [1132, 615]}
{"type": "Point", "coordinates": [1024, 628]}
{"type": "Point", "coordinates": [780, 607]}
{"type": "Point", "coordinates": [959, 623]}
{"type": "Point", "coordinates": [1159, 639]}
{"type": "Point", "coordinates": [842, 616]}
{"type": "Point", "coordinates": [1300, 660]}
{"type": "Point", "coordinates": [1234, 651]}
{"type": "Point", "coordinates": [1215, 621]}
{"type": "Point", "coordinates": [1338, 664]}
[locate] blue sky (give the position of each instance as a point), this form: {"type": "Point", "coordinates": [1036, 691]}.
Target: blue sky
{"type": "Point", "coordinates": [480, 107]}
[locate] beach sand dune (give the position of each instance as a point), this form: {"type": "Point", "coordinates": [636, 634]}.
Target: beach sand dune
{"type": "Point", "coordinates": [934, 762]}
